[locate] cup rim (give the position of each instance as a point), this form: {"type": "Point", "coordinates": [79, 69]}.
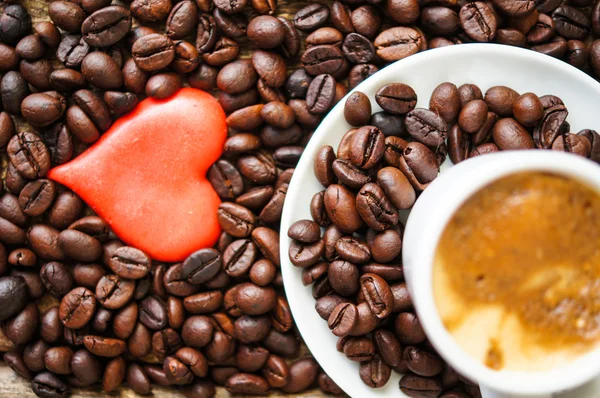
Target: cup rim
{"type": "Point", "coordinates": [479, 172]}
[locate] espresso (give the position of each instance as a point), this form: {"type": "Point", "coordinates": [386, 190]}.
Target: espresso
{"type": "Point", "coordinates": [516, 277]}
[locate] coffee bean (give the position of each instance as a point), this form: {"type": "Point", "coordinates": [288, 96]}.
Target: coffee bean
{"type": "Point", "coordinates": [408, 329]}
{"type": "Point", "coordinates": [571, 23]}
{"type": "Point", "coordinates": [224, 51]}
{"type": "Point", "coordinates": [13, 89]}
{"type": "Point", "coordinates": [550, 126]}
{"type": "Point", "coordinates": [397, 43]}
{"type": "Point", "coordinates": [303, 373]}
{"type": "Point", "coordinates": [358, 49]}
{"type": "Point", "coordinates": [130, 263]}
{"type": "Point", "coordinates": [426, 127]}
{"type": "Point", "coordinates": [102, 71]}
{"type": "Point", "coordinates": [13, 296]}
{"type": "Point", "coordinates": [202, 265]}
{"type": "Point", "coordinates": [375, 373]}
{"type": "Point", "coordinates": [311, 17]}
{"type": "Point", "coordinates": [153, 52]}
{"type": "Point", "coordinates": [325, 36]}
{"type": "Point", "coordinates": [478, 21]}
{"type": "Point", "coordinates": [238, 257]}
{"type": "Point", "coordinates": [106, 26]}
{"type": "Point", "coordinates": [341, 208]}
{"type": "Point", "coordinates": [67, 16]}
{"type": "Point", "coordinates": [501, 99]}
{"type": "Point", "coordinates": [255, 300]}
{"type": "Point", "coordinates": [29, 155]}
{"type": "Point", "coordinates": [225, 179]}
{"type": "Point", "coordinates": [104, 346]}
{"type": "Point", "coordinates": [113, 292]}
{"type": "Point", "coordinates": [528, 109]}
{"type": "Point", "coordinates": [419, 165]}
{"type": "Point", "coordinates": [396, 98]}
{"type": "Point", "coordinates": [270, 67]}
{"type": "Point", "coordinates": [422, 362]}
{"type": "Point", "coordinates": [237, 77]}
{"type": "Point", "coordinates": [323, 59]}
{"type": "Point", "coordinates": [305, 231]}
{"type": "Point", "coordinates": [36, 197]}
{"type": "Point", "coordinates": [472, 116]}
{"type": "Point", "coordinates": [43, 240]}
{"type": "Point", "coordinates": [416, 386]}
{"type": "Point", "coordinates": [266, 32]}
{"type": "Point", "coordinates": [47, 384]}
{"type": "Point", "coordinates": [77, 308]}
{"type": "Point", "coordinates": [396, 187]}
{"type": "Point", "coordinates": [321, 94]}
{"type": "Point", "coordinates": [509, 134]}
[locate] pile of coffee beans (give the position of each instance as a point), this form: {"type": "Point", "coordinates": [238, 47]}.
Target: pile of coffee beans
{"type": "Point", "coordinates": [353, 38]}
{"type": "Point", "coordinates": [380, 167]}
{"type": "Point", "coordinates": [78, 306]}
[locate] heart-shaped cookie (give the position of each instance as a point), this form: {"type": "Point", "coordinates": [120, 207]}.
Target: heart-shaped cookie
{"type": "Point", "coordinates": [146, 176]}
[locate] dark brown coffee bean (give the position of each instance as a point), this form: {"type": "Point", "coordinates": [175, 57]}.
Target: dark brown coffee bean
{"type": "Point", "coordinates": [13, 90]}
{"type": "Point", "coordinates": [79, 245]}
{"type": "Point", "coordinates": [224, 51]}
{"type": "Point", "coordinates": [397, 43]}
{"type": "Point", "coordinates": [130, 263]}
{"type": "Point", "coordinates": [375, 373]}
{"type": "Point", "coordinates": [571, 23]}
{"type": "Point", "coordinates": [306, 254]}
{"type": "Point", "coordinates": [408, 329]}
{"type": "Point", "coordinates": [303, 373]}
{"type": "Point", "coordinates": [396, 98]}
{"type": "Point", "coordinates": [238, 257]}
{"type": "Point", "coordinates": [500, 100]}
{"type": "Point", "coordinates": [270, 67]}
{"type": "Point", "coordinates": [445, 101]}
{"type": "Point", "coordinates": [325, 36]}
{"type": "Point", "coordinates": [358, 49]}
{"type": "Point", "coordinates": [509, 134]}
{"type": "Point", "coordinates": [237, 77]}
{"type": "Point", "coordinates": [427, 127]}
{"type": "Point", "coordinates": [28, 154]}
{"type": "Point", "coordinates": [104, 346]}
{"type": "Point", "coordinates": [396, 187]}
{"type": "Point", "coordinates": [47, 384]}
{"type": "Point", "coordinates": [343, 319]}
{"type": "Point", "coordinates": [472, 116]}
{"type": "Point", "coordinates": [153, 52]}
{"type": "Point", "coordinates": [340, 205]}
{"type": "Point", "coordinates": [225, 179]}
{"type": "Point", "coordinates": [57, 278]}
{"type": "Point", "coordinates": [255, 300]}
{"type": "Point", "coordinates": [305, 231]}
{"type": "Point", "coordinates": [321, 94]}
{"type": "Point", "coordinates": [36, 197]}
{"type": "Point", "coordinates": [458, 145]}
{"type": "Point", "coordinates": [419, 165]}
{"type": "Point", "coordinates": [323, 59]}
{"type": "Point", "coordinates": [357, 109]}
{"type": "Point", "coordinates": [30, 47]}
{"type": "Point", "coordinates": [549, 127]}
{"type": "Point", "coordinates": [106, 26]}
{"type": "Point", "coordinates": [478, 21]}
{"type": "Point", "coordinates": [422, 362]}
{"type": "Point", "coordinates": [311, 17]}
{"type": "Point", "coordinates": [416, 386]}
{"type": "Point", "coordinates": [67, 16]}
{"type": "Point", "coordinates": [77, 308]}
{"type": "Point", "coordinates": [113, 292]}
{"type": "Point", "coordinates": [367, 147]}
{"type": "Point", "coordinates": [528, 109]}
{"type": "Point", "coordinates": [163, 85]}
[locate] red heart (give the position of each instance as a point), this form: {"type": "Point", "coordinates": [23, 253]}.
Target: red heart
{"type": "Point", "coordinates": [147, 175]}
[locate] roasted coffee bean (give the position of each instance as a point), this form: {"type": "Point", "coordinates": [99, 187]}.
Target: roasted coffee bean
{"type": "Point", "coordinates": [46, 384]}
{"type": "Point", "coordinates": [37, 73]}
{"type": "Point", "coordinates": [120, 103]}
{"type": "Point", "coordinates": [197, 331]}
{"type": "Point", "coordinates": [478, 21]}
{"type": "Point", "coordinates": [10, 210]}
{"type": "Point", "coordinates": [202, 266]}
{"type": "Point", "coordinates": [153, 313]}
{"type": "Point", "coordinates": [13, 89]}
{"type": "Point", "coordinates": [43, 240]}
{"type": "Point", "coordinates": [343, 277]}
{"type": "Point", "coordinates": [247, 383]}
{"type": "Point", "coordinates": [419, 165]}
{"type": "Point", "coordinates": [396, 98]}
{"type": "Point", "coordinates": [426, 127]}
{"type": "Point", "coordinates": [594, 140]}
{"type": "Point", "coordinates": [417, 386]}
{"type": "Point", "coordinates": [24, 257]}
{"type": "Point", "coordinates": [29, 155]}
{"type": "Point", "coordinates": [375, 373]}
{"type": "Point", "coordinates": [37, 196]}
{"type": "Point", "coordinates": [325, 36]}
{"type": "Point", "coordinates": [182, 20]}
{"type": "Point", "coordinates": [396, 187]}
{"type": "Point", "coordinates": [113, 292]}
{"type": "Point", "coordinates": [10, 233]}
{"type": "Point", "coordinates": [375, 208]}
{"type": "Point", "coordinates": [226, 179]}
{"type": "Point", "coordinates": [106, 26]}
{"type": "Point", "coordinates": [130, 263]}
{"type": "Point", "coordinates": [483, 149]}
{"type": "Point", "coordinates": [321, 94]}
{"type": "Point", "coordinates": [72, 50]}
{"type": "Point", "coordinates": [224, 51]}
{"type": "Point", "coordinates": [343, 319]}
{"type": "Point", "coordinates": [13, 296]}
{"type": "Point", "coordinates": [572, 143]}
{"type": "Point", "coordinates": [549, 127]}
{"type": "Point", "coordinates": [500, 100]}
{"type": "Point", "coordinates": [231, 103]}
{"type": "Point", "coordinates": [79, 245]}
{"type": "Point", "coordinates": [255, 300]}
{"type": "Point", "coordinates": [233, 26]}
{"type": "Point", "coordinates": [306, 254]}
{"type": "Point", "coordinates": [270, 67]}
{"type": "Point", "coordinates": [203, 303]}
{"type": "Point", "coordinates": [360, 73]}
{"type": "Point", "coordinates": [323, 59]}
{"type": "Point", "coordinates": [366, 20]}
{"type": "Point", "coordinates": [458, 145]}
{"type": "Point", "coordinates": [66, 15]}
{"type": "Point", "coordinates": [15, 360]}
{"type": "Point", "coordinates": [408, 329]}
{"type": "Point", "coordinates": [340, 205]}
{"type": "Point", "coordinates": [422, 362]}
{"type": "Point", "coordinates": [528, 109]}
{"type": "Point", "coordinates": [237, 77]}
{"type": "Point", "coordinates": [104, 346]}
{"type": "Point", "coordinates": [358, 49]}
{"type": "Point", "coordinates": [305, 231]}
{"type": "Point", "coordinates": [239, 257]}
{"type": "Point", "coordinates": [30, 47]}
{"type": "Point", "coordinates": [303, 373]}
{"type": "Point", "coordinates": [571, 23]}
{"type": "Point", "coordinates": [266, 32]}
{"type": "Point", "coordinates": [9, 59]}
{"type": "Point", "coordinates": [176, 284]}
{"type": "Point", "coordinates": [509, 134]}
{"type": "Point", "coordinates": [311, 17]}
{"type": "Point", "coordinates": [357, 109]}
{"type": "Point", "coordinates": [153, 52]}
{"type": "Point", "coordinates": [66, 80]}
{"type": "Point", "coordinates": [58, 360]}
{"type": "Point", "coordinates": [77, 308]}
{"type": "Point", "coordinates": [349, 174]}
{"type": "Point", "coordinates": [22, 328]}
{"type": "Point", "coordinates": [397, 43]}
{"type": "Point", "coordinates": [367, 147]}
{"type": "Point", "coordinates": [163, 85]}
{"type": "Point", "coordinates": [88, 275]}
{"type": "Point", "coordinates": [359, 349]}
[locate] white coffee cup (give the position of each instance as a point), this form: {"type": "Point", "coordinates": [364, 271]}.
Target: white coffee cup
{"type": "Point", "coordinates": [424, 227]}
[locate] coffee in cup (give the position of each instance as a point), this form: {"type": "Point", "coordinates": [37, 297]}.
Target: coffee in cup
{"type": "Point", "coordinates": [516, 277]}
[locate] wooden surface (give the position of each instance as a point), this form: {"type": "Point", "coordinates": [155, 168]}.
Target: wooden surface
{"type": "Point", "coordinates": [13, 386]}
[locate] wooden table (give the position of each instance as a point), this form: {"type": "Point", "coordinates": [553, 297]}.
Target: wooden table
{"type": "Point", "coordinates": [13, 386]}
